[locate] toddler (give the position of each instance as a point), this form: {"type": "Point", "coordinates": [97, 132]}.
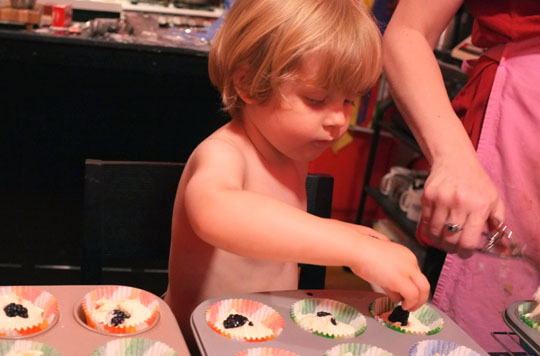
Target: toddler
{"type": "Point", "coordinates": [289, 72]}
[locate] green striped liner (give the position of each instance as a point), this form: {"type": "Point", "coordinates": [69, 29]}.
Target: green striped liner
{"type": "Point", "coordinates": [425, 314]}
{"type": "Point", "coordinates": [526, 308]}
{"type": "Point", "coordinates": [341, 312]}
{"type": "Point", "coordinates": [24, 345]}
{"type": "Point", "coordinates": [357, 350]}
{"type": "Point", "coordinates": [134, 347]}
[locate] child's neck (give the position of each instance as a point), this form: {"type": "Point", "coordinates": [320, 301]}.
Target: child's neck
{"type": "Point", "coordinates": [265, 149]}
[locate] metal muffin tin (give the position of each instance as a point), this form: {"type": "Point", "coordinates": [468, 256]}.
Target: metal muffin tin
{"type": "Point", "coordinates": [530, 336]}
{"type": "Point", "coordinates": [303, 343]}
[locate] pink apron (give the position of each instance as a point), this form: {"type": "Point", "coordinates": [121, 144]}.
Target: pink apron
{"type": "Point", "coordinates": [476, 291]}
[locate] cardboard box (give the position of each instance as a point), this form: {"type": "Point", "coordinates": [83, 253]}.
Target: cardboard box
{"type": "Point", "coordinates": [62, 15]}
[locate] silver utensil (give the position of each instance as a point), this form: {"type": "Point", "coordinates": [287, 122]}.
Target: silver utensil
{"type": "Point", "coordinates": [501, 243]}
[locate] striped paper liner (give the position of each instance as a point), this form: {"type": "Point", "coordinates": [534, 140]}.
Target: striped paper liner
{"type": "Point", "coordinates": [441, 347]}
{"type": "Point", "coordinates": [526, 308]}
{"type": "Point", "coordinates": [266, 351]}
{"type": "Point", "coordinates": [253, 310]}
{"type": "Point", "coordinates": [134, 346]}
{"type": "Point", "coordinates": [39, 298]}
{"type": "Point", "coordinates": [340, 311]}
{"type": "Point", "coordinates": [356, 349]}
{"type": "Point", "coordinates": [119, 293]}
{"type": "Point", "coordinates": [425, 314]}
{"type": "Point", "coordinates": [26, 345]}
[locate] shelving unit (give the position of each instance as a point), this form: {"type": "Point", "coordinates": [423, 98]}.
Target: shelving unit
{"type": "Point", "coordinates": [454, 80]}
{"type": "Point", "coordinates": [434, 258]}
{"type": "Point", "coordinates": [389, 207]}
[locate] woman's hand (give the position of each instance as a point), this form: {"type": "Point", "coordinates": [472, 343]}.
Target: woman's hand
{"type": "Point", "coordinates": [458, 196]}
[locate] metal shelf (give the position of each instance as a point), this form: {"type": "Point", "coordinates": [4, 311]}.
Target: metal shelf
{"type": "Point", "coordinates": [404, 135]}
{"type": "Point", "coordinates": [393, 211]}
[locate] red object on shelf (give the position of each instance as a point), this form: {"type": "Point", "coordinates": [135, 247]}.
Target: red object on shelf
{"type": "Point", "coordinates": [62, 15]}
{"type": "Point", "coordinates": [348, 169]}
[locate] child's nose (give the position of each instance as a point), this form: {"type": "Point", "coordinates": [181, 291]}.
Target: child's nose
{"type": "Point", "coordinates": [336, 118]}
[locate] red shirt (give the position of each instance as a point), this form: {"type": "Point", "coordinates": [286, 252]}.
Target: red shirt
{"type": "Point", "coordinates": [496, 22]}
{"type": "Point", "coordinates": [500, 21]}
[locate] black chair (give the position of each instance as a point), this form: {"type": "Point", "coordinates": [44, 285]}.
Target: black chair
{"type": "Point", "coordinates": [319, 189]}
{"type": "Point", "coordinates": [127, 222]}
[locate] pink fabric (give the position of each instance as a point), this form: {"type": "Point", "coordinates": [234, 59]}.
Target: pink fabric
{"type": "Point", "coordinates": [475, 292]}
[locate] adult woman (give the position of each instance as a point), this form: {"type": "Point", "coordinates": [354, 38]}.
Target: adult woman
{"type": "Point", "coordinates": [496, 114]}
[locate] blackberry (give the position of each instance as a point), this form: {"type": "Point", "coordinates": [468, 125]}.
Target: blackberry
{"type": "Point", "coordinates": [13, 310]}
{"type": "Point", "coordinates": [119, 317]}
{"type": "Point", "coordinates": [399, 315]}
{"type": "Point", "coordinates": [235, 321]}
{"type": "Point", "coordinates": [323, 313]}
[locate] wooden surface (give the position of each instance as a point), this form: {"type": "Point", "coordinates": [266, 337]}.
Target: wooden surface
{"type": "Point", "coordinates": [25, 16]}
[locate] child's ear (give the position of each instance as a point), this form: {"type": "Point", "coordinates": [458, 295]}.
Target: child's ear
{"type": "Point", "coordinates": [241, 81]}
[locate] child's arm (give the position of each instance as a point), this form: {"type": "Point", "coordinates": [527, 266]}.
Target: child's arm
{"type": "Point", "coordinates": [250, 224]}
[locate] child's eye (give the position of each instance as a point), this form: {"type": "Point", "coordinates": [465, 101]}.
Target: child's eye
{"type": "Point", "coordinates": [314, 101]}
{"type": "Point", "coordinates": [349, 101]}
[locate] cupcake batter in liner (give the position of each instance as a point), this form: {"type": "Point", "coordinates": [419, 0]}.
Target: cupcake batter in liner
{"type": "Point", "coordinates": [441, 348]}
{"type": "Point", "coordinates": [423, 321]}
{"type": "Point", "coordinates": [356, 349]}
{"type": "Point", "coordinates": [134, 346]}
{"type": "Point", "coordinates": [328, 318]}
{"type": "Point", "coordinates": [244, 319]}
{"type": "Point", "coordinates": [120, 309]}
{"type": "Point", "coordinates": [26, 311]}
{"type": "Point", "coordinates": [16, 347]}
{"type": "Point", "coordinates": [525, 313]}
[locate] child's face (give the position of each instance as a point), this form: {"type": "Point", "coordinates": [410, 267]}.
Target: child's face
{"type": "Point", "coordinates": [305, 120]}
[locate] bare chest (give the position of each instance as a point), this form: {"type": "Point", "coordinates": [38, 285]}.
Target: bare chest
{"type": "Point", "coordinates": [283, 184]}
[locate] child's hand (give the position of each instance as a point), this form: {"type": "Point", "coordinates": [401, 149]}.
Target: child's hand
{"type": "Point", "coordinates": [394, 268]}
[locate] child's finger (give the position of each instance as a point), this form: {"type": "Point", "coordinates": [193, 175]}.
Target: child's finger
{"type": "Point", "coordinates": [423, 286]}
{"type": "Point", "coordinates": [394, 296]}
{"type": "Point", "coordinates": [410, 296]}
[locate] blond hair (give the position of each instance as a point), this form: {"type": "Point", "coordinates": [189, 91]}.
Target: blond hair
{"type": "Point", "coordinates": [269, 39]}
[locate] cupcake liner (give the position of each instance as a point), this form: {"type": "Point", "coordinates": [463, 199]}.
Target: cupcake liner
{"type": "Point", "coordinates": [266, 351]}
{"type": "Point", "coordinates": [119, 293]}
{"type": "Point", "coordinates": [426, 315]}
{"type": "Point", "coordinates": [526, 308]}
{"type": "Point", "coordinates": [262, 316]}
{"type": "Point", "coordinates": [341, 312]}
{"type": "Point", "coordinates": [134, 346]}
{"type": "Point", "coordinates": [7, 347]}
{"type": "Point", "coordinates": [355, 349]}
{"type": "Point", "coordinates": [441, 347]}
{"type": "Point", "coordinates": [38, 297]}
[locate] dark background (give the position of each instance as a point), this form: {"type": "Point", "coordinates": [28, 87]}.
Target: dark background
{"type": "Point", "coordinates": [65, 100]}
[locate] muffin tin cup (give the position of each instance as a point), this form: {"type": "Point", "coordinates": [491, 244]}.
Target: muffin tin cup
{"type": "Point", "coordinates": [7, 347]}
{"type": "Point", "coordinates": [39, 298]}
{"type": "Point", "coordinates": [134, 347]}
{"type": "Point", "coordinates": [80, 318]}
{"type": "Point", "coordinates": [119, 293]}
{"type": "Point", "coordinates": [526, 308]}
{"type": "Point", "coordinates": [297, 340]}
{"type": "Point", "coordinates": [426, 315]}
{"type": "Point", "coordinates": [441, 347]}
{"type": "Point", "coordinates": [341, 312]}
{"type": "Point", "coordinates": [253, 310]}
{"type": "Point", "coordinates": [266, 351]}
{"type": "Point", "coordinates": [357, 349]}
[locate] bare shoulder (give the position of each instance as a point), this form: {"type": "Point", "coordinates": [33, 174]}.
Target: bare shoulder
{"type": "Point", "coordinates": [217, 150]}
{"type": "Point", "coordinates": [219, 160]}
